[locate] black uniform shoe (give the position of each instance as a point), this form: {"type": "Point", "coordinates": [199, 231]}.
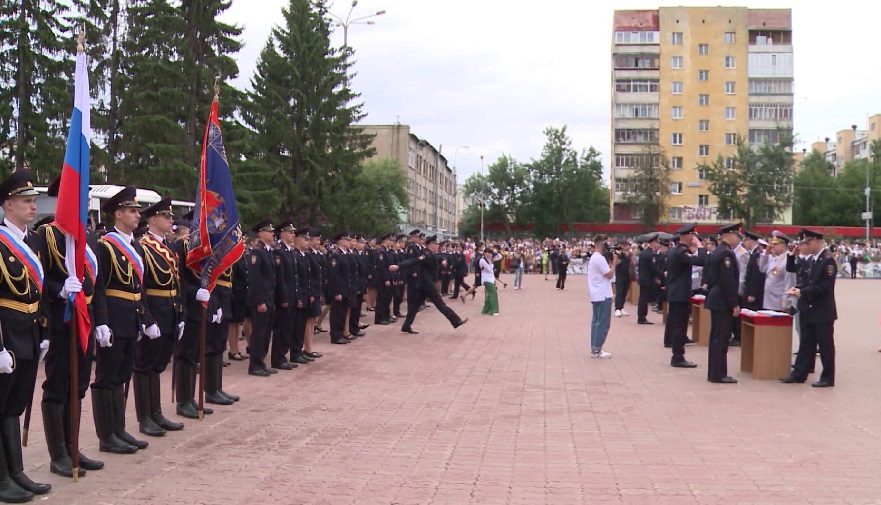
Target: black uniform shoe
{"type": "Point", "coordinates": [339, 341]}
{"type": "Point", "coordinates": [460, 323]}
{"type": "Point", "coordinates": [411, 331]}
{"type": "Point", "coordinates": [10, 492]}
{"type": "Point", "coordinates": [313, 354]}
{"type": "Point", "coordinates": [358, 334]}
{"type": "Point", "coordinates": [11, 430]}
{"type": "Point", "coordinates": [89, 463]}
{"type": "Point", "coordinates": [644, 321]}
{"type": "Point", "coordinates": [301, 360]}
{"type": "Point", "coordinates": [258, 373]}
{"type": "Point", "coordinates": [384, 323]}
{"type": "Point", "coordinates": [724, 380]}
{"type": "Point", "coordinates": [283, 366]}
{"type": "Point", "coordinates": [823, 383]}
{"type": "Point", "coordinates": [689, 341]}
{"type": "Point", "coordinates": [102, 410]}
{"type": "Point", "coordinates": [271, 371]}
{"type": "Point", "coordinates": [234, 398]}
{"type": "Point", "coordinates": [217, 399]}
{"type": "Point", "coordinates": [789, 379]}
{"type": "Point", "coordinates": [205, 410]}
{"type": "Point", "coordinates": [734, 342]}
{"type": "Point", "coordinates": [683, 364]}
{"type": "Point", "coordinates": [305, 356]}
{"type": "Point", "coordinates": [53, 425]}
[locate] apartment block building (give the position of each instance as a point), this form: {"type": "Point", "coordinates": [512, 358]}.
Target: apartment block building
{"type": "Point", "coordinates": [850, 143]}
{"type": "Point", "coordinates": [687, 82]}
{"type": "Point", "coordinates": [432, 182]}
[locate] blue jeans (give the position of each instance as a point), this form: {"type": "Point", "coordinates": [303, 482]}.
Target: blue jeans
{"type": "Point", "coordinates": [601, 318]}
{"type": "Point", "coordinates": [518, 276]}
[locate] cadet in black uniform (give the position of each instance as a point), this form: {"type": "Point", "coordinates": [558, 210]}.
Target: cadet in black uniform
{"type": "Point", "coordinates": [754, 280]}
{"type": "Point", "coordinates": [382, 278]}
{"type": "Point", "coordinates": [646, 274]}
{"type": "Point", "coordinates": [122, 258]}
{"type": "Point", "coordinates": [312, 239]}
{"type": "Point", "coordinates": [22, 332]}
{"type": "Point", "coordinates": [397, 277]}
{"type": "Point", "coordinates": [562, 268]}
{"type": "Point", "coordinates": [722, 302]}
{"type": "Point", "coordinates": [428, 265]}
{"type": "Point", "coordinates": [358, 263]}
{"type": "Point", "coordinates": [679, 263]}
{"type": "Point", "coordinates": [339, 287]}
{"type": "Point", "coordinates": [286, 297]}
{"type": "Point", "coordinates": [261, 297]}
{"type": "Point", "coordinates": [162, 290]}
{"type": "Point", "coordinates": [56, 388]}
{"type": "Point", "coordinates": [817, 310]}
{"type": "Point", "coordinates": [301, 350]}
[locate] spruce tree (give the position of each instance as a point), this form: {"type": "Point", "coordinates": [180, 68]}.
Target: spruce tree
{"type": "Point", "coordinates": [303, 113]}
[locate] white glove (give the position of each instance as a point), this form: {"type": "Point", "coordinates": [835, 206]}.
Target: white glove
{"type": "Point", "coordinates": [102, 335]}
{"type": "Point", "coordinates": [44, 349]}
{"type": "Point", "coordinates": [71, 285]}
{"type": "Point", "coordinates": [151, 331]}
{"type": "Point", "coordinates": [218, 316]}
{"type": "Point", "coordinates": [203, 295]}
{"type": "Point", "coordinates": [5, 361]}
{"type": "Point", "coordinates": [180, 329]}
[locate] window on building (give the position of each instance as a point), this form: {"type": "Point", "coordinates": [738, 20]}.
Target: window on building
{"type": "Point", "coordinates": [703, 125]}
{"type": "Point", "coordinates": [676, 188]}
{"type": "Point", "coordinates": [703, 99]}
{"type": "Point", "coordinates": [770, 112]}
{"type": "Point", "coordinates": [703, 150]}
{"type": "Point", "coordinates": [676, 62]}
{"type": "Point", "coordinates": [639, 37]}
{"type": "Point", "coordinates": [770, 65]}
{"type": "Point", "coordinates": [636, 110]}
{"type": "Point", "coordinates": [627, 161]}
{"type": "Point", "coordinates": [770, 86]}
{"type": "Point", "coordinates": [676, 139]}
{"type": "Point", "coordinates": [730, 139]}
{"type": "Point", "coordinates": [730, 113]}
{"type": "Point", "coordinates": [676, 112]}
{"type": "Point", "coordinates": [703, 75]}
{"type": "Point", "coordinates": [729, 62]}
{"type": "Point", "coordinates": [703, 199]}
{"type": "Point", "coordinates": [729, 163]}
{"type": "Point", "coordinates": [729, 38]}
{"type": "Point", "coordinates": [636, 136]}
{"type": "Point", "coordinates": [729, 88]}
{"type": "Point", "coordinates": [675, 213]}
{"type": "Point", "coordinates": [702, 174]}
{"type": "Point", "coordinates": [622, 186]}
{"type": "Point", "coordinates": [636, 86]}
{"type": "Point", "coordinates": [703, 49]}
{"type": "Point", "coordinates": [676, 163]}
{"type": "Point", "coordinates": [676, 87]}
{"type": "Point", "coordinates": [676, 38]}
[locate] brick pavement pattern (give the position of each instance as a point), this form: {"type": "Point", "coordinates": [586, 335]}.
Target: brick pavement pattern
{"type": "Point", "coordinates": [512, 410]}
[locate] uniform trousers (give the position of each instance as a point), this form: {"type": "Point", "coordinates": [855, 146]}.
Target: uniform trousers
{"type": "Point", "coordinates": [432, 294]}
{"type": "Point", "coordinates": [338, 311]}
{"type": "Point", "coordinates": [561, 279]}
{"type": "Point", "coordinates": [282, 335]}
{"type": "Point", "coordinates": [676, 330]}
{"type": "Point", "coordinates": [355, 313]}
{"type": "Point", "coordinates": [261, 326]}
{"type": "Point", "coordinates": [397, 299]}
{"type": "Point", "coordinates": [215, 338]}
{"type": "Point", "coordinates": [642, 305]}
{"type": "Point", "coordinates": [153, 355]}
{"type": "Point", "coordinates": [720, 331]}
{"type": "Point", "coordinates": [17, 388]}
{"type": "Point", "coordinates": [114, 364]}
{"type": "Point", "coordinates": [300, 317]}
{"type": "Point", "coordinates": [56, 387]}
{"type": "Point", "coordinates": [622, 286]}
{"type": "Point", "coordinates": [383, 302]}
{"type": "Point", "coordinates": [460, 283]}
{"type": "Point", "coordinates": [812, 335]}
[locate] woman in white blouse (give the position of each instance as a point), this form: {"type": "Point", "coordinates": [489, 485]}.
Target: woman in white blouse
{"type": "Point", "coordinates": [488, 279]}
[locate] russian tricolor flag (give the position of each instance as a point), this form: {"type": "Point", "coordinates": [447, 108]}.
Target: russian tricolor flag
{"type": "Point", "coordinates": [71, 213]}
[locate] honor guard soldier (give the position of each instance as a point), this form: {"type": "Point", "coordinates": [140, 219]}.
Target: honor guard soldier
{"type": "Point", "coordinates": [680, 259]}
{"type": "Point", "coordinates": [286, 297]}
{"type": "Point", "coordinates": [339, 287]}
{"type": "Point", "coordinates": [261, 297]}
{"type": "Point", "coordinates": [57, 286]}
{"type": "Point", "coordinates": [21, 331]}
{"type": "Point", "coordinates": [817, 311]}
{"type": "Point", "coordinates": [428, 264]}
{"type": "Point", "coordinates": [722, 302]}
{"type": "Point", "coordinates": [121, 259]}
{"type": "Point", "coordinates": [162, 294]}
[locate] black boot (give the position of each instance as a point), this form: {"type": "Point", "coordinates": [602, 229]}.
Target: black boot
{"type": "Point", "coordinates": [184, 391]}
{"type": "Point", "coordinates": [156, 406]}
{"type": "Point", "coordinates": [146, 425]}
{"type": "Point", "coordinates": [220, 390]}
{"type": "Point", "coordinates": [85, 463]}
{"type": "Point", "coordinates": [11, 430]}
{"type": "Point", "coordinates": [53, 425]}
{"type": "Point", "coordinates": [10, 492]}
{"type": "Point", "coordinates": [192, 393]}
{"type": "Point", "coordinates": [212, 388]}
{"type": "Point", "coordinates": [102, 411]}
{"type": "Point", "coordinates": [118, 396]}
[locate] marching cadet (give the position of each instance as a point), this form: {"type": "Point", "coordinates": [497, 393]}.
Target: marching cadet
{"type": "Point", "coordinates": [339, 287]}
{"type": "Point", "coordinates": [428, 264]}
{"type": "Point", "coordinates": [723, 303]}
{"type": "Point", "coordinates": [261, 297]}
{"type": "Point", "coordinates": [679, 263]}
{"type": "Point", "coordinates": [754, 278]}
{"type": "Point", "coordinates": [777, 279]}
{"type": "Point", "coordinates": [301, 350]}
{"type": "Point", "coordinates": [162, 290]}
{"type": "Point", "coordinates": [21, 339]}
{"type": "Point", "coordinates": [383, 280]}
{"type": "Point", "coordinates": [816, 308]}
{"type": "Point", "coordinates": [317, 281]}
{"type": "Point", "coordinates": [57, 286]}
{"type": "Point", "coordinates": [646, 272]}
{"type": "Point", "coordinates": [285, 297]}
{"type": "Point", "coordinates": [122, 258]}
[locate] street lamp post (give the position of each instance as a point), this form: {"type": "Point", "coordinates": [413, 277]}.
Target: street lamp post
{"type": "Point", "coordinates": [345, 23]}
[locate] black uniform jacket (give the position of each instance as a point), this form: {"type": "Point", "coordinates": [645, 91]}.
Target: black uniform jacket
{"type": "Point", "coordinates": [723, 277]}
{"type": "Point", "coordinates": [679, 264]}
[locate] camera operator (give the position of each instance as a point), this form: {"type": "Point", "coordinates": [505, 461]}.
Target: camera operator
{"type": "Point", "coordinates": [599, 283]}
{"type": "Point", "coordinates": [622, 275]}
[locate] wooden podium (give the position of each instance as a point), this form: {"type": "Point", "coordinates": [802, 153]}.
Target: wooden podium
{"type": "Point", "coordinates": [766, 345]}
{"type": "Point", "coordinates": [700, 322]}
{"type": "Point", "coordinates": [633, 294]}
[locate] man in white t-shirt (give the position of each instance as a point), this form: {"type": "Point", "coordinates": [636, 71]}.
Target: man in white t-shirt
{"type": "Point", "coordinates": [599, 284]}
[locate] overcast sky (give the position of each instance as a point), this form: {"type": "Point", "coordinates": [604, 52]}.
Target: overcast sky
{"type": "Point", "coordinates": [492, 74]}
